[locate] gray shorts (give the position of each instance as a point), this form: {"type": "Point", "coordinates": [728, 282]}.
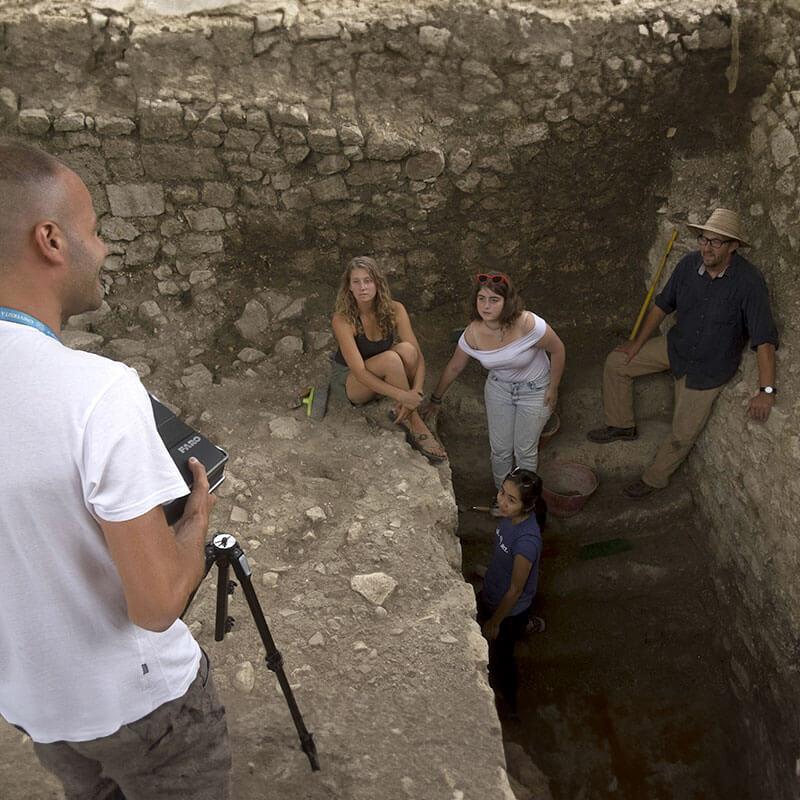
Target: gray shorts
{"type": "Point", "coordinates": [179, 750]}
{"type": "Point", "coordinates": [338, 381]}
{"type": "Point", "coordinates": [338, 385]}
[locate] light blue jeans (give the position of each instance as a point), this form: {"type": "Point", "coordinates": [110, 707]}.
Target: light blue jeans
{"type": "Point", "coordinates": [516, 415]}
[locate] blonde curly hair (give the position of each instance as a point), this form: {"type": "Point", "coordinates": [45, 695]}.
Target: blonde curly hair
{"type": "Point", "coordinates": [346, 304]}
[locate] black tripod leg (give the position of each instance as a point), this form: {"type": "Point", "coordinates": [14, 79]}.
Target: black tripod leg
{"type": "Point", "coordinates": [222, 623]}
{"type": "Point", "coordinates": [274, 659]}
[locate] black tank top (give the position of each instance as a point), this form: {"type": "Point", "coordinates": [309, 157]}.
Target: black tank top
{"type": "Point", "coordinates": [367, 347]}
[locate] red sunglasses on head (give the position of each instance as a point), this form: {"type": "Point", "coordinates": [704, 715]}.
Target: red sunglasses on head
{"type": "Point", "coordinates": [483, 277]}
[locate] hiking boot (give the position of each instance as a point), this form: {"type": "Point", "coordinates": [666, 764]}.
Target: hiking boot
{"type": "Point", "coordinates": [609, 433]}
{"type": "Point", "coordinates": [638, 489]}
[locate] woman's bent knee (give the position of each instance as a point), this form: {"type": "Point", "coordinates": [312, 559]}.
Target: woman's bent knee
{"type": "Point", "coordinates": [385, 360]}
{"type": "Point", "coordinates": [408, 353]}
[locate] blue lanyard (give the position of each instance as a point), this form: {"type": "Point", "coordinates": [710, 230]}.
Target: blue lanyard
{"type": "Point", "coordinates": [20, 317]}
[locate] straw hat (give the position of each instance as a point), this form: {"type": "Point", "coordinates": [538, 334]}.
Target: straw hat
{"type": "Point", "coordinates": [724, 222]}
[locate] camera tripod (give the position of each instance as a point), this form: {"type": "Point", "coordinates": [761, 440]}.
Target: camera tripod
{"type": "Point", "coordinates": [224, 551]}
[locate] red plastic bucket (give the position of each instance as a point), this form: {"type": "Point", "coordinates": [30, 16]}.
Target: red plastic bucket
{"type": "Point", "coordinates": [566, 486]}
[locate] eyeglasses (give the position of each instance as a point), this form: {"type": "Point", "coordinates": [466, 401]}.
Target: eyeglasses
{"type": "Point", "coordinates": [715, 243]}
{"type": "Point", "coordinates": [524, 476]}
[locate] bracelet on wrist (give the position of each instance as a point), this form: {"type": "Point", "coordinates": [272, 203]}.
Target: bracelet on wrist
{"type": "Point", "coordinates": [437, 401]}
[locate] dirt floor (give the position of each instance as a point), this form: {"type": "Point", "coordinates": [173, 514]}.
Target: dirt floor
{"type": "Point", "coordinates": [622, 695]}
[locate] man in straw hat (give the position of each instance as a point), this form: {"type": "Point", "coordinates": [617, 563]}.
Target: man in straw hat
{"type": "Point", "coordinates": [720, 300]}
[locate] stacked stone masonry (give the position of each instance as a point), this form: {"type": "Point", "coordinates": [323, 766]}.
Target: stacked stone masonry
{"type": "Point", "coordinates": [300, 134]}
{"type": "Point", "coordinates": [313, 139]}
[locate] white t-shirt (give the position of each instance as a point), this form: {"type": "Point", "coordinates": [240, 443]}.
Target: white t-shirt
{"type": "Point", "coordinates": [517, 362]}
{"type": "Point", "coordinates": [79, 444]}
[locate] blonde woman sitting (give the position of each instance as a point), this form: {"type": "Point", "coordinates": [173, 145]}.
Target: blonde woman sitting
{"type": "Point", "coordinates": [378, 353]}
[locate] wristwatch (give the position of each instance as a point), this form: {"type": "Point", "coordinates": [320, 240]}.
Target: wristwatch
{"type": "Point", "coordinates": [768, 390]}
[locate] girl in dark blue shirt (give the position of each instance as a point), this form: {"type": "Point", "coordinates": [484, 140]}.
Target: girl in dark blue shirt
{"type": "Point", "coordinates": [513, 574]}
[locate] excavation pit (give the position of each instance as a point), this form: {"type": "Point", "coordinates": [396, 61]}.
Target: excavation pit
{"type": "Point", "coordinates": [239, 153]}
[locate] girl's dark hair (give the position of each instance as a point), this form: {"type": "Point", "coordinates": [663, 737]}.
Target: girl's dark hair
{"type": "Point", "coordinates": [530, 493]}
{"type": "Point", "coordinates": [512, 307]}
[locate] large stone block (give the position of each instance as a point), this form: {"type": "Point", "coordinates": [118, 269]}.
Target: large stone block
{"type": "Point", "coordinates": [219, 194]}
{"type": "Point", "coordinates": [387, 145]}
{"type": "Point", "coordinates": [176, 162]}
{"type": "Point", "coordinates": [268, 22]}
{"type": "Point", "coordinates": [161, 119]}
{"type": "Point", "coordinates": [296, 154]}
{"type": "Point", "coordinates": [120, 148]}
{"type": "Point", "coordinates": [125, 170]}
{"type": "Point", "coordinates": [318, 31]}
{"type": "Point", "coordinates": [242, 139]}
{"type": "Point", "coordinates": [783, 146]}
{"type": "Point", "coordinates": [330, 165]}
{"type": "Point", "coordinates": [283, 114]}
{"type": "Point", "coordinates": [75, 139]}
{"type": "Point", "coordinates": [434, 40]}
{"type": "Point", "coordinates": [259, 195]}
{"type": "Point", "coordinates": [289, 135]}
{"type": "Point", "coordinates": [425, 166]}
{"type": "Point", "coordinates": [136, 199]}
{"type": "Point", "coordinates": [257, 120]}
{"type": "Point", "coordinates": [89, 164]}
{"type": "Point", "coordinates": [198, 244]}
{"type": "Point", "coordinates": [213, 121]}
{"type": "Point", "coordinates": [112, 125]}
{"type": "Point", "coordinates": [142, 251]}
{"type": "Point", "coordinates": [268, 162]}
{"type": "Point", "coordinates": [298, 198]}
{"type": "Point", "coordinates": [522, 136]}
{"type": "Point", "coordinates": [366, 173]}
{"type": "Point", "coordinates": [253, 322]}
{"type": "Point", "coordinates": [323, 140]}
{"type": "Point", "coordinates": [350, 134]}
{"type": "Point", "coordinates": [33, 121]}
{"type": "Point", "coordinates": [205, 219]}
{"type": "Point", "coordinates": [330, 189]}
{"type": "Point", "coordinates": [459, 160]}
{"type": "Point", "coordinates": [70, 121]}
{"type": "Point", "coordinates": [115, 229]}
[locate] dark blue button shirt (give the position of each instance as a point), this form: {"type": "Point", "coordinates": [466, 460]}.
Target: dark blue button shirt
{"type": "Point", "coordinates": [715, 318]}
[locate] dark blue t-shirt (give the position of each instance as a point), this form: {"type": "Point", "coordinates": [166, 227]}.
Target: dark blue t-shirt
{"type": "Point", "coordinates": [510, 540]}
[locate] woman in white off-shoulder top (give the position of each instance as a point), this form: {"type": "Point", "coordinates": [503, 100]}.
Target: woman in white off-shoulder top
{"type": "Point", "coordinates": [522, 386]}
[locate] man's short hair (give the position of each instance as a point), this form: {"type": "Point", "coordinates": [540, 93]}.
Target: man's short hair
{"type": "Point", "coordinates": [27, 177]}
{"type": "Point", "coordinates": [21, 163]}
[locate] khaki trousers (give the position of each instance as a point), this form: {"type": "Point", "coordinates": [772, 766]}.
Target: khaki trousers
{"type": "Point", "coordinates": [692, 406]}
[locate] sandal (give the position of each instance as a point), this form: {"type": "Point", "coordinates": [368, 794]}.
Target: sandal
{"type": "Point", "coordinates": [416, 441]}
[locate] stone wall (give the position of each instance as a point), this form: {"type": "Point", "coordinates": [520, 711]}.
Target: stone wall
{"type": "Point", "coordinates": [271, 141]}
{"type": "Point", "coordinates": [746, 472]}
{"type": "Point", "coordinates": [287, 141]}
{"type": "Point", "coordinates": [743, 471]}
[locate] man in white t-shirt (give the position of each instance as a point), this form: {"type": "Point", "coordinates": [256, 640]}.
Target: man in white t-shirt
{"type": "Point", "coordinates": [95, 663]}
